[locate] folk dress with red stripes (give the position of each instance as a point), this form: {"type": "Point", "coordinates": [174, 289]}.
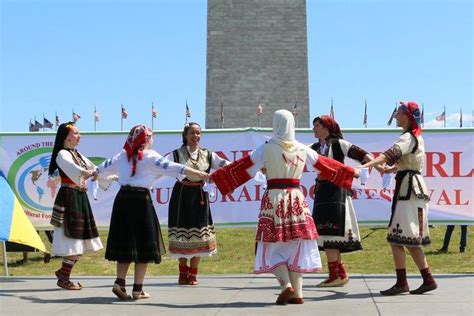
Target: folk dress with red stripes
{"type": "Point", "coordinates": [286, 233]}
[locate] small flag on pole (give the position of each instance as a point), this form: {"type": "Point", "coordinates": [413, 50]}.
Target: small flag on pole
{"type": "Point", "coordinates": [38, 125]}
{"type": "Point", "coordinates": [153, 111]}
{"type": "Point", "coordinates": [441, 117]}
{"type": "Point", "coordinates": [365, 114]}
{"type": "Point", "coordinates": [295, 108]}
{"type": "Point", "coordinates": [96, 116]}
{"type": "Point", "coordinates": [188, 111]}
{"type": "Point", "coordinates": [57, 121]}
{"type": "Point", "coordinates": [47, 123]}
{"type": "Point", "coordinates": [460, 117]}
{"type": "Point", "coordinates": [75, 117]}
{"type": "Point", "coordinates": [33, 128]}
{"type": "Point", "coordinates": [259, 109]}
{"type": "Point", "coordinates": [390, 120]}
{"type": "Point", "coordinates": [331, 112]}
{"type": "Point", "coordinates": [124, 113]}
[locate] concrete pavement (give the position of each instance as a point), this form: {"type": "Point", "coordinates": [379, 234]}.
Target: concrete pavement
{"type": "Point", "coordinates": [235, 295]}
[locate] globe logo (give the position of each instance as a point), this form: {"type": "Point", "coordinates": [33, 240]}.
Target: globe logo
{"type": "Point", "coordinates": [29, 178]}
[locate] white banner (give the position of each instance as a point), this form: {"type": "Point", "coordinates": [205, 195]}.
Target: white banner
{"type": "Point", "coordinates": [448, 173]}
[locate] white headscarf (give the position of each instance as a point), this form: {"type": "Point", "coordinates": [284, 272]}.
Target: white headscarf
{"type": "Point", "coordinates": [283, 128]}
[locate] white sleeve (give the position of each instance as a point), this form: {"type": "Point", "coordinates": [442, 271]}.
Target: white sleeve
{"type": "Point", "coordinates": [311, 157]}
{"type": "Point", "coordinates": [218, 162]}
{"type": "Point", "coordinates": [406, 143]}
{"type": "Point", "coordinates": [69, 167]}
{"type": "Point", "coordinates": [110, 167]}
{"type": "Point", "coordinates": [166, 167]}
{"type": "Point", "coordinates": [258, 158]}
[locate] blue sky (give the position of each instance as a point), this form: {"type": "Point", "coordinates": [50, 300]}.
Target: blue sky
{"type": "Point", "coordinates": [59, 55]}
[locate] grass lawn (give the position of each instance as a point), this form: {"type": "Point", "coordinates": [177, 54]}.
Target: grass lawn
{"type": "Point", "coordinates": [236, 255]}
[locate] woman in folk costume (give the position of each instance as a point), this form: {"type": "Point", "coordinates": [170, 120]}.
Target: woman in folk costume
{"type": "Point", "coordinates": [286, 234]}
{"type": "Point", "coordinates": [190, 227]}
{"type": "Point", "coordinates": [75, 231]}
{"type": "Point", "coordinates": [408, 225]}
{"type": "Point", "coordinates": [333, 211]}
{"type": "Point", "coordinates": [135, 234]}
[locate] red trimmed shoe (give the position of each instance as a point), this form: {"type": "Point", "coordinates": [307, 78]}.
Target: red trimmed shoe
{"type": "Point", "coordinates": [192, 280]}
{"type": "Point", "coordinates": [183, 275]}
{"type": "Point", "coordinates": [284, 296]}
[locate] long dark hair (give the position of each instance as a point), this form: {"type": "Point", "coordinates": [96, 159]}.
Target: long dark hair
{"type": "Point", "coordinates": [61, 135]}
{"type": "Point", "coordinates": [185, 131]}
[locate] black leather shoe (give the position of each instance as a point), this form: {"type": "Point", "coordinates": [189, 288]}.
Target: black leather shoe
{"type": "Point", "coordinates": [394, 290]}
{"type": "Point", "coordinates": [425, 288]}
{"type": "Point", "coordinates": [461, 249]}
{"type": "Point", "coordinates": [443, 250]}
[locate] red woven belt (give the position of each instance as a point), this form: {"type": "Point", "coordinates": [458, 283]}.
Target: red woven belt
{"type": "Point", "coordinates": [283, 183]}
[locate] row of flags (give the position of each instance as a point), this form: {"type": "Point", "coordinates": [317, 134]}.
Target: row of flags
{"type": "Point", "coordinates": [36, 126]}
{"type": "Point", "coordinates": [439, 118]}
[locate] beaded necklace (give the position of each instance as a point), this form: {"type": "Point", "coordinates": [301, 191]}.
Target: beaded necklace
{"type": "Point", "coordinates": [194, 162]}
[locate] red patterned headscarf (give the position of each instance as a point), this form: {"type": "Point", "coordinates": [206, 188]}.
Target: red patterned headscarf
{"type": "Point", "coordinates": [331, 125]}
{"type": "Point", "coordinates": [412, 110]}
{"type": "Point", "coordinates": [135, 144]}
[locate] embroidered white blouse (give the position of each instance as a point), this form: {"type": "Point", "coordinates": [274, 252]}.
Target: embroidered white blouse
{"type": "Point", "coordinates": [70, 168]}
{"type": "Point", "coordinates": [149, 169]}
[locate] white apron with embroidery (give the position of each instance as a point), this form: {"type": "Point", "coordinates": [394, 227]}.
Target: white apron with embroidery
{"type": "Point", "coordinates": [286, 234]}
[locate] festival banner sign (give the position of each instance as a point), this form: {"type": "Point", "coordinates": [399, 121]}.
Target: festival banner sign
{"type": "Point", "coordinates": [448, 171]}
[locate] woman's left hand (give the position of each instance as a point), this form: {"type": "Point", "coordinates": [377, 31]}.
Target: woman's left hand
{"type": "Point", "coordinates": [357, 172]}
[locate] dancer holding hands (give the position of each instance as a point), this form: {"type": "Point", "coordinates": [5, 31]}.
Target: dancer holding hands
{"type": "Point", "coordinates": [408, 225]}
{"type": "Point", "coordinates": [333, 210]}
{"type": "Point", "coordinates": [75, 231]}
{"type": "Point", "coordinates": [135, 234]}
{"type": "Point", "coordinates": [190, 226]}
{"type": "Point", "coordinates": [286, 234]}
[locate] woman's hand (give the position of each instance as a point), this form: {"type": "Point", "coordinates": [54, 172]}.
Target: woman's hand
{"type": "Point", "coordinates": [389, 169]}
{"type": "Point", "coordinates": [203, 175]}
{"type": "Point", "coordinates": [380, 169]}
{"type": "Point", "coordinates": [357, 172]}
{"type": "Point", "coordinates": [86, 174]}
{"type": "Point", "coordinates": [95, 175]}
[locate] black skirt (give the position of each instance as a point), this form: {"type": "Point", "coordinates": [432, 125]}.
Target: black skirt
{"type": "Point", "coordinates": [190, 227]}
{"type": "Point", "coordinates": [189, 207]}
{"type": "Point", "coordinates": [135, 234]}
{"type": "Point", "coordinates": [329, 209]}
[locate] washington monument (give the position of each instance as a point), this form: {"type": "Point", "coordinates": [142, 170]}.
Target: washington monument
{"type": "Point", "coordinates": [257, 62]}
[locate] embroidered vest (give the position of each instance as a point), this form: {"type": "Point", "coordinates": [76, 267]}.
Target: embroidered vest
{"type": "Point", "coordinates": [202, 163]}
